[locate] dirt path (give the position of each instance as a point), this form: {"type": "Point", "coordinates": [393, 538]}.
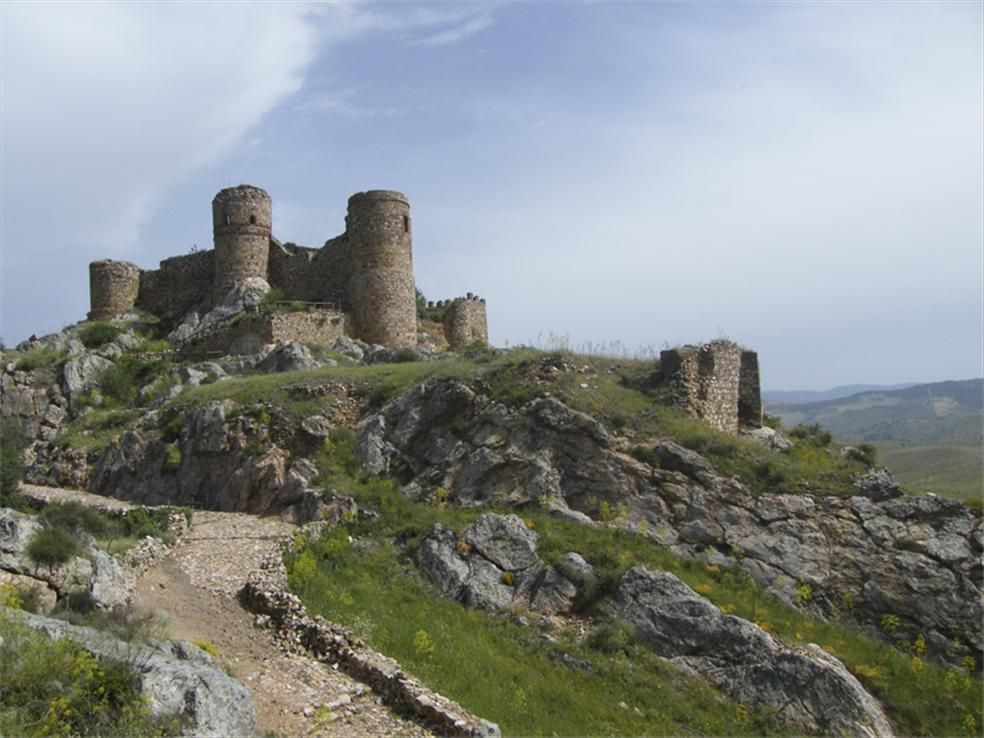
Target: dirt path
{"type": "Point", "coordinates": [194, 589]}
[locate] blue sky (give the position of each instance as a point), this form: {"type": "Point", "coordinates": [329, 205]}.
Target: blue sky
{"type": "Point", "coordinates": [805, 178]}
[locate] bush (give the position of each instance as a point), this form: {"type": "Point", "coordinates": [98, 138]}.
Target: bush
{"type": "Point", "coordinates": [72, 515]}
{"type": "Point", "coordinates": [55, 687]}
{"type": "Point", "coordinates": [11, 443]}
{"type": "Point", "coordinates": [95, 335]}
{"type": "Point", "coordinates": [812, 434]}
{"type": "Point", "coordinates": [52, 546]}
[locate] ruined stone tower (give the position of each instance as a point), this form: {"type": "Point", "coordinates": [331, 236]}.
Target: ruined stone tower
{"type": "Point", "coordinates": [465, 322]}
{"type": "Point", "coordinates": [113, 288]}
{"type": "Point", "coordinates": [241, 223]}
{"type": "Point", "coordinates": [381, 254]}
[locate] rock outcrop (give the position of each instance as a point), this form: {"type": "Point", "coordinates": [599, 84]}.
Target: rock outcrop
{"type": "Point", "coordinates": [809, 689]}
{"type": "Point", "coordinates": [177, 678]}
{"type": "Point", "coordinates": [916, 558]}
{"type": "Point", "coordinates": [494, 564]}
{"type": "Point", "coordinates": [93, 571]}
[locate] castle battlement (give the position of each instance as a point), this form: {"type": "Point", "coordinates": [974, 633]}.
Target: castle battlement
{"type": "Point", "coordinates": [366, 272]}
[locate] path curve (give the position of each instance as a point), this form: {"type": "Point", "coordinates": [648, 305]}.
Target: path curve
{"type": "Point", "coordinates": [194, 588]}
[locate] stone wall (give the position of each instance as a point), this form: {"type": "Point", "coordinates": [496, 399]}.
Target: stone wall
{"type": "Point", "coordinates": [749, 391]}
{"type": "Point", "coordinates": [113, 288]}
{"type": "Point", "coordinates": [709, 380]}
{"type": "Point", "coordinates": [178, 285]}
{"type": "Point", "coordinates": [249, 335]}
{"type": "Point", "coordinates": [466, 322]}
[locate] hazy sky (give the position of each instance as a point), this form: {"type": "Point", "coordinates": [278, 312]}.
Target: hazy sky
{"type": "Point", "coordinates": [804, 178]}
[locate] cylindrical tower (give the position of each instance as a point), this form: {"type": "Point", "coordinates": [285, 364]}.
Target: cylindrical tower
{"type": "Point", "coordinates": [384, 305]}
{"type": "Point", "coordinates": [465, 322]}
{"type": "Point", "coordinates": [113, 288]}
{"type": "Point", "coordinates": [241, 219]}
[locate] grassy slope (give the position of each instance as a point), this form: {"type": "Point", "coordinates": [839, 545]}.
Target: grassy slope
{"type": "Point", "coordinates": [363, 577]}
{"type": "Point", "coordinates": [951, 469]}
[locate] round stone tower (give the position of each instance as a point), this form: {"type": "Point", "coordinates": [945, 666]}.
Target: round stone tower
{"type": "Point", "coordinates": [241, 219]}
{"type": "Point", "coordinates": [384, 305]}
{"type": "Point", "coordinates": [113, 288]}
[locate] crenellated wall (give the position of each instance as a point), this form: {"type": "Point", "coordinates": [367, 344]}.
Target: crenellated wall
{"type": "Point", "coordinates": [178, 285]}
{"type": "Point", "coordinates": [717, 382]}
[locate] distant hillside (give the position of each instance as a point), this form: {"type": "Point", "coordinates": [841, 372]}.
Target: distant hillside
{"type": "Point", "coordinates": [801, 397]}
{"type": "Point", "coordinates": [924, 413]}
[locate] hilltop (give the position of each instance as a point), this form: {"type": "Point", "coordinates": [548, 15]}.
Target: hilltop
{"type": "Point", "coordinates": [541, 536]}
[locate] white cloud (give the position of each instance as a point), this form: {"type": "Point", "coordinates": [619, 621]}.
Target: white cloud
{"type": "Point", "coordinates": [458, 33]}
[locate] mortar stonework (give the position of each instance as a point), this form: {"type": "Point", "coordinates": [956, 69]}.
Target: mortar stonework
{"type": "Point", "coordinates": [241, 220]}
{"type": "Point", "coordinates": [113, 288]}
{"type": "Point", "coordinates": [366, 273]}
{"type": "Point", "coordinates": [384, 305]}
{"type": "Point", "coordinates": [717, 382]}
{"type": "Point", "coordinates": [466, 322]}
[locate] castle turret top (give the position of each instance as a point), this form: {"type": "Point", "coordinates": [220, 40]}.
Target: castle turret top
{"type": "Point", "coordinates": [379, 195]}
{"type": "Point", "coordinates": [242, 192]}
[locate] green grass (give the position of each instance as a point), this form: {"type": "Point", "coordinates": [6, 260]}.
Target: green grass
{"type": "Point", "coordinates": [372, 587]}
{"type": "Point", "coordinates": [950, 469]}
{"type": "Point", "coordinates": [39, 357]}
{"type": "Point", "coordinates": [94, 430]}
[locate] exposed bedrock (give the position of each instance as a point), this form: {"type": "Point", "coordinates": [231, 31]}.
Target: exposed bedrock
{"type": "Point", "coordinates": [917, 558]}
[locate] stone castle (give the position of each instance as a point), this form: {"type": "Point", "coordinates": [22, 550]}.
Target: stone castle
{"type": "Point", "coordinates": [359, 284]}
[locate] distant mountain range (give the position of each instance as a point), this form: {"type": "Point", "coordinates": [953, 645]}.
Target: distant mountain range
{"type": "Point", "coordinates": [801, 397]}
{"type": "Point", "coordinates": [940, 412]}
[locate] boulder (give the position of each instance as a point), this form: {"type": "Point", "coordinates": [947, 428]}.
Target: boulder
{"type": "Point", "coordinates": [494, 563]}
{"type": "Point", "coordinates": [348, 347]}
{"type": "Point", "coordinates": [288, 356]}
{"type": "Point", "coordinates": [504, 540]}
{"type": "Point", "coordinates": [81, 374]}
{"type": "Point", "coordinates": [768, 437]}
{"type": "Point", "coordinates": [809, 689]}
{"type": "Point", "coordinates": [878, 485]}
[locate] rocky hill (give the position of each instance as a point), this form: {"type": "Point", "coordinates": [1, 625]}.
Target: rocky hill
{"type": "Point", "coordinates": [539, 537]}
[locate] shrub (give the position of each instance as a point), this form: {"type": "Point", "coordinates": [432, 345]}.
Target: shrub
{"type": "Point", "coordinates": [98, 334]}
{"type": "Point", "coordinates": [52, 546]}
{"type": "Point", "coordinates": [865, 454]}
{"type": "Point", "coordinates": [405, 356]}
{"type": "Point", "coordinates": [71, 515]}
{"type": "Point", "coordinates": [812, 434]}
{"type": "Point", "coordinates": [55, 687]}
{"type": "Point", "coordinates": [172, 457]}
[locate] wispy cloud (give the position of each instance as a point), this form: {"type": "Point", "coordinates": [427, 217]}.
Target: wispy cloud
{"type": "Point", "coordinates": [458, 33]}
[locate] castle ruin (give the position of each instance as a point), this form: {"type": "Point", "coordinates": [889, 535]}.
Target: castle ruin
{"type": "Point", "coordinates": [717, 381]}
{"type": "Point", "coordinates": [359, 284]}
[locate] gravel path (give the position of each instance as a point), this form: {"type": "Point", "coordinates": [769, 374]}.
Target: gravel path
{"type": "Point", "coordinates": [194, 589]}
